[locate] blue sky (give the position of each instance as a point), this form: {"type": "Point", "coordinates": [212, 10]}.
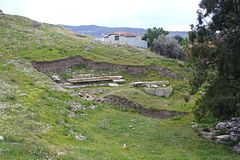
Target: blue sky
{"type": "Point", "coordinates": [170, 14]}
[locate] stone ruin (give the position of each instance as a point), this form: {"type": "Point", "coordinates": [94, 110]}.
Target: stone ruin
{"type": "Point", "coordinates": [226, 132]}
{"type": "Point", "coordinates": [156, 88]}
{"type": "Point", "coordinates": [88, 80]}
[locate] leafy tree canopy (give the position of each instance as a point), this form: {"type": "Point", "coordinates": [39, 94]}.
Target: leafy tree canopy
{"type": "Point", "coordinates": [216, 58]}
{"type": "Point", "coordinates": [153, 33]}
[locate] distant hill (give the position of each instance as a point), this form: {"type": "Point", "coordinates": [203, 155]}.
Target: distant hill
{"type": "Point", "coordinates": [180, 33]}
{"type": "Point", "coordinates": [99, 31]}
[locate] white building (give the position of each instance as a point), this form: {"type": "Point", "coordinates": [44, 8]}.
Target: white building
{"type": "Point", "coordinates": [125, 38]}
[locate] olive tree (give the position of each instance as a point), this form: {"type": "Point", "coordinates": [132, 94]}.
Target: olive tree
{"type": "Point", "coordinates": [168, 47]}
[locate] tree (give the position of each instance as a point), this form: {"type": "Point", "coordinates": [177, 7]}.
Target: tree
{"type": "Point", "coordinates": [178, 38]}
{"type": "Point", "coordinates": [153, 34]}
{"type": "Point", "coordinates": [216, 58]}
{"type": "Point", "coordinates": [168, 47]}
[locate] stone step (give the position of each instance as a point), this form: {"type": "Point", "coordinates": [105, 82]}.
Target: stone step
{"type": "Point", "coordinates": [94, 79]}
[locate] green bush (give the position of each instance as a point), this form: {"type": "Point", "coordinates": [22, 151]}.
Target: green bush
{"type": "Point", "coordinates": [168, 47]}
{"type": "Point", "coordinates": [215, 55]}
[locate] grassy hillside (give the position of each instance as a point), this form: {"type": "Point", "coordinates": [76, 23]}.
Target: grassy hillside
{"type": "Point", "coordinates": [36, 41]}
{"type": "Point", "coordinates": [36, 119]}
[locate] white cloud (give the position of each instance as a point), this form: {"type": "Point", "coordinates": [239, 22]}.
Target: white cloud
{"type": "Point", "coordinates": [130, 13]}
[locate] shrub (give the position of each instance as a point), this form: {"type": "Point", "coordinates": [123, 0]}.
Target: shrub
{"type": "Point", "coordinates": [168, 47]}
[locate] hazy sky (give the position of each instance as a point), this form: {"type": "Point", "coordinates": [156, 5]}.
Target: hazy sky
{"type": "Point", "coordinates": [170, 14]}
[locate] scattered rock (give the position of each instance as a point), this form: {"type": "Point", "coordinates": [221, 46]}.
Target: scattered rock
{"type": "Point", "coordinates": [221, 125]}
{"type": "Point", "coordinates": [223, 138]}
{"type": "Point", "coordinates": [180, 63]}
{"type": "Point", "coordinates": [194, 125]}
{"type": "Point", "coordinates": [56, 78]}
{"type": "Point", "coordinates": [131, 126]}
{"type": "Point", "coordinates": [124, 146]}
{"type": "Point", "coordinates": [80, 137]}
{"type": "Point", "coordinates": [1, 138]}
{"type": "Point", "coordinates": [208, 135]}
{"type": "Point", "coordinates": [76, 106]}
{"type": "Point", "coordinates": [87, 96]}
{"type": "Point", "coordinates": [236, 119]}
{"type": "Point", "coordinates": [232, 124]}
{"type": "Point", "coordinates": [234, 137]}
{"type": "Point", "coordinates": [162, 92]}
{"type": "Point", "coordinates": [71, 115]}
{"type": "Point", "coordinates": [3, 105]}
{"type": "Point", "coordinates": [236, 148]}
{"type": "Point", "coordinates": [113, 84]}
{"type": "Point", "coordinates": [91, 94]}
{"type": "Point", "coordinates": [59, 153]}
{"type": "Point", "coordinates": [227, 132]}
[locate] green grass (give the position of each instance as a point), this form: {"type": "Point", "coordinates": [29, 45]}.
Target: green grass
{"type": "Point", "coordinates": [174, 102]}
{"type": "Point", "coordinates": [21, 37]}
{"type": "Point", "coordinates": [34, 111]}
{"type": "Point", "coordinates": [41, 129]}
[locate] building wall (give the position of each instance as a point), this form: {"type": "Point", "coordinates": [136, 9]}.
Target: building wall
{"type": "Point", "coordinates": [132, 41]}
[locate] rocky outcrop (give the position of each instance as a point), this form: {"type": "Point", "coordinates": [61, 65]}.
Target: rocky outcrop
{"type": "Point", "coordinates": [62, 64]}
{"type": "Point", "coordinates": [226, 132]}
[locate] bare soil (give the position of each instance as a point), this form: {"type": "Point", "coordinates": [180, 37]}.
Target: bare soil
{"type": "Point", "coordinates": [126, 103]}
{"type": "Point", "coordinates": [62, 64]}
